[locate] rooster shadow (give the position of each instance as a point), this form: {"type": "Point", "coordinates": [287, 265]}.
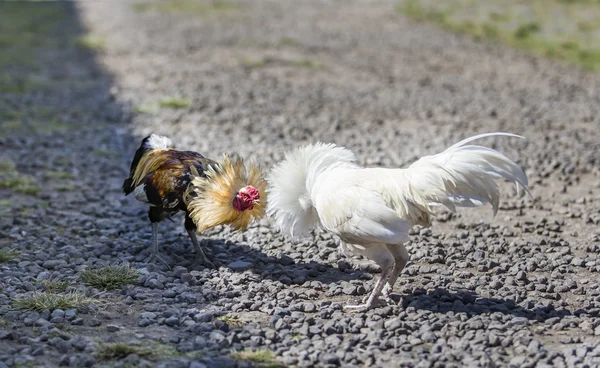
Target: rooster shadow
{"type": "Point", "coordinates": [471, 303]}
{"type": "Point", "coordinates": [239, 258]}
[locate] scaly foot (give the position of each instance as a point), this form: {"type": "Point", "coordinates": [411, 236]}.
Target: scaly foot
{"type": "Point", "coordinates": [155, 256]}
{"type": "Point", "coordinates": [202, 260]}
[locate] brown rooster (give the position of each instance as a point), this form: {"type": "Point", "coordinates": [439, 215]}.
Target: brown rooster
{"type": "Point", "coordinates": [210, 193]}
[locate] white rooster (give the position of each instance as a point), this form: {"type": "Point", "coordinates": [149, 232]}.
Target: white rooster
{"type": "Point", "coordinates": [372, 209]}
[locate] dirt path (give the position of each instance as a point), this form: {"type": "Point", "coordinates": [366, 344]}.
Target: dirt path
{"type": "Point", "coordinates": [258, 78]}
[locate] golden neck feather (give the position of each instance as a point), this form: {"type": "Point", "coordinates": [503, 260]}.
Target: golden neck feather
{"type": "Point", "coordinates": [212, 204]}
{"type": "Point", "coordinates": [149, 162]}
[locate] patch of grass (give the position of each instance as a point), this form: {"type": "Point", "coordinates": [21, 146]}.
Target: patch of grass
{"type": "Point", "coordinates": [26, 27]}
{"type": "Point", "coordinates": [527, 29]}
{"type": "Point", "coordinates": [149, 109]}
{"type": "Point", "coordinates": [529, 26]}
{"type": "Point", "coordinates": [40, 301]}
{"type": "Point", "coordinates": [7, 167]}
{"type": "Point", "coordinates": [109, 277]}
{"type": "Point", "coordinates": [152, 351]}
{"type": "Point", "coordinates": [65, 187]}
{"type": "Point", "coordinates": [175, 103]}
{"type": "Point", "coordinates": [416, 11]}
{"type": "Point", "coordinates": [298, 63]}
{"type": "Point", "coordinates": [63, 160]}
{"type": "Point", "coordinates": [261, 358]}
{"type": "Point", "coordinates": [21, 84]}
{"type": "Point", "coordinates": [252, 63]}
{"type": "Point", "coordinates": [55, 285]}
{"type": "Point", "coordinates": [90, 42]}
{"type": "Point", "coordinates": [233, 321]}
{"type": "Point", "coordinates": [7, 255]}
{"type": "Point", "coordinates": [288, 41]}
{"type": "Point", "coordinates": [196, 7]}
{"type": "Point", "coordinates": [59, 175]}
{"type": "Point", "coordinates": [119, 350]}
{"type": "Point", "coordinates": [20, 184]}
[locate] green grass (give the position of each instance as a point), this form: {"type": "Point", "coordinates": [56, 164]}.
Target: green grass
{"type": "Point", "coordinates": [530, 26]}
{"type": "Point", "coordinates": [152, 351]}
{"type": "Point", "coordinates": [32, 121]}
{"type": "Point", "coordinates": [90, 42]}
{"type": "Point", "coordinates": [55, 285]}
{"type": "Point", "coordinates": [252, 63]}
{"type": "Point", "coordinates": [7, 255]}
{"type": "Point", "coordinates": [261, 358]}
{"type": "Point", "coordinates": [64, 187]}
{"type": "Point", "coordinates": [175, 103]}
{"type": "Point", "coordinates": [233, 321]}
{"type": "Point", "coordinates": [25, 27]}
{"type": "Point", "coordinates": [297, 63]}
{"type": "Point", "coordinates": [46, 300]}
{"type": "Point", "coordinates": [288, 41]}
{"type": "Point", "coordinates": [7, 167]}
{"type": "Point", "coordinates": [109, 277]}
{"type": "Point", "coordinates": [117, 351]}
{"type": "Point", "coordinates": [20, 184]}
{"type": "Point", "coordinates": [304, 63]}
{"type": "Point", "coordinates": [59, 175]}
{"type": "Point", "coordinates": [196, 7]}
{"type": "Point", "coordinates": [149, 109]}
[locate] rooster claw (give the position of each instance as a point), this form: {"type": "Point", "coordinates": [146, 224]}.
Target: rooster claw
{"type": "Point", "coordinates": [204, 262]}
{"type": "Point", "coordinates": [365, 305]}
{"type": "Point", "coordinates": [156, 257]}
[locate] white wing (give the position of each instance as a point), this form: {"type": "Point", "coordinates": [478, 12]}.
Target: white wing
{"type": "Point", "coordinates": [360, 216]}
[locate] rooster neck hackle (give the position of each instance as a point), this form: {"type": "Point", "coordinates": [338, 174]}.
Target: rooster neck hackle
{"type": "Point", "coordinates": [149, 162]}
{"type": "Point", "coordinates": [212, 203]}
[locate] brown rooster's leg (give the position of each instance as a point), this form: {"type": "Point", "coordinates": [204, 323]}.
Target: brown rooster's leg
{"type": "Point", "coordinates": [382, 256]}
{"type": "Point", "coordinates": [200, 256]}
{"type": "Point", "coordinates": [401, 258]}
{"type": "Point", "coordinates": [154, 254]}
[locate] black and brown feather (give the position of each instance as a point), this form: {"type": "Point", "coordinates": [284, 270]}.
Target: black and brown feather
{"type": "Point", "coordinates": [174, 180]}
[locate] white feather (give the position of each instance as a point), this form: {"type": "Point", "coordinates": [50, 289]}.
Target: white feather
{"type": "Point", "coordinates": [140, 193]}
{"type": "Point", "coordinates": [156, 141]}
{"type": "Point", "coordinates": [320, 185]}
{"type": "Point", "coordinates": [290, 184]}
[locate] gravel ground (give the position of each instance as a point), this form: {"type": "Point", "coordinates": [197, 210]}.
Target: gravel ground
{"type": "Point", "coordinates": [519, 290]}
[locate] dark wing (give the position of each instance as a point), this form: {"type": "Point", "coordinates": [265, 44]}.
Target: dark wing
{"type": "Point", "coordinates": [166, 186]}
{"type": "Point", "coordinates": [128, 183]}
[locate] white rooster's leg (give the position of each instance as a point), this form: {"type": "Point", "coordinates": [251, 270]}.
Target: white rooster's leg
{"type": "Point", "coordinates": [401, 258]}
{"type": "Point", "coordinates": [384, 258]}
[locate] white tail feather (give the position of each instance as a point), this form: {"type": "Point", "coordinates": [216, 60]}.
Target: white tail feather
{"type": "Point", "coordinates": [463, 176]}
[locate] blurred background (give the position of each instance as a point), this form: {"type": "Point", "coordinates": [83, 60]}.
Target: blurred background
{"type": "Point", "coordinates": [82, 82]}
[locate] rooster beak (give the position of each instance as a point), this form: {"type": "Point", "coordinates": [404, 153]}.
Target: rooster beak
{"type": "Point", "coordinates": [256, 201]}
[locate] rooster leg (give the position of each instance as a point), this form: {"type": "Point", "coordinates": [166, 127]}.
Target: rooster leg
{"type": "Point", "coordinates": [401, 258]}
{"type": "Point", "coordinates": [382, 256]}
{"type": "Point", "coordinates": [154, 254]}
{"type": "Point", "coordinates": [200, 256]}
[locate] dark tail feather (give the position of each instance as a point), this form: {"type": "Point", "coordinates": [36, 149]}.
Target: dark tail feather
{"type": "Point", "coordinates": [128, 186]}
